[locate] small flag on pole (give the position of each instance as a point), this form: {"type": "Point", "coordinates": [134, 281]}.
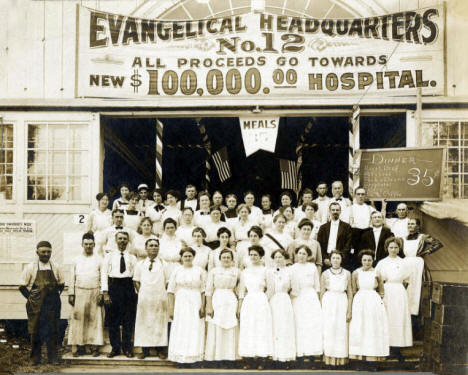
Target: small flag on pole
{"type": "Point", "coordinates": [288, 170]}
{"type": "Point", "coordinates": [221, 162]}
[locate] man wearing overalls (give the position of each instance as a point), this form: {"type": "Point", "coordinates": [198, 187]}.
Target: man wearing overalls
{"type": "Point", "coordinates": [41, 284]}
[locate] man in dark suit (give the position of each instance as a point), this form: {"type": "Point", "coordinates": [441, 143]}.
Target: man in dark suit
{"type": "Point", "coordinates": [374, 237]}
{"type": "Point", "coordinates": [335, 235]}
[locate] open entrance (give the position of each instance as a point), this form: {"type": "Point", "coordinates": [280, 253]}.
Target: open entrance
{"type": "Point", "coordinates": [130, 151]}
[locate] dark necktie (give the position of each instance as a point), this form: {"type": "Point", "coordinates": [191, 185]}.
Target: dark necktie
{"type": "Point", "coordinates": [151, 264]}
{"type": "Point", "coordinates": [122, 263]}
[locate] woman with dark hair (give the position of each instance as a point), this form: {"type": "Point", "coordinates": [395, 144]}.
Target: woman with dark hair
{"type": "Point", "coordinates": [336, 295]}
{"type": "Point", "coordinates": [221, 310]}
{"type": "Point", "coordinates": [395, 276]}
{"type": "Point", "coordinates": [170, 245]}
{"type": "Point", "coordinates": [172, 210]}
{"type": "Point", "coordinates": [255, 234]}
{"type": "Point", "coordinates": [255, 334]}
{"type": "Point", "coordinates": [278, 287]}
{"type": "Point", "coordinates": [224, 236]}
{"type": "Point", "coordinates": [186, 227]}
{"type": "Point", "coordinates": [155, 211]}
{"type": "Point", "coordinates": [132, 216]}
{"type": "Point", "coordinates": [122, 202]}
{"type": "Point", "coordinates": [202, 252]}
{"type": "Point", "coordinates": [186, 292]}
{"type": "Point", "coordinates": [143, 235]}
{"type": "Point", "coordinates": [305, 285]}
{"type": "Point", "coordinates": [368, 330]}
{"type": "Point", "coordinates": [304, 238]}
{"type": "Point", "coordinates": [308, 212]}
{"type": "Point", "coordinates": [99, 220]}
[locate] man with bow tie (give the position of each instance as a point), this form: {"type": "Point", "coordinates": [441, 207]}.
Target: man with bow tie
{"type": "Point", "coordinates": [119, 295]}
{"type": "Point", "coordinates": [337, 192]}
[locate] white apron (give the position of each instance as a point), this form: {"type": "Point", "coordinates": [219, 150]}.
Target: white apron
{"type": "Point", "coordinates": [416, 266]}
{"type": "Point", "coordinates": [152, 317]}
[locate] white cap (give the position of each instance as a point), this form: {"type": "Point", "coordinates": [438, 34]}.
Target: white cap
{"type": "Point", "coordinates": [142, 186]}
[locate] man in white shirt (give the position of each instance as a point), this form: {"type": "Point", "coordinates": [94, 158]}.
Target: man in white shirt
{"type": "Point", "coordinates": [190, 199]}
{"type": "Point", "coordinates": [41, 284]}
{"type": "Point", "coordinates": [86, 299]}
{"type": "Point", "coordinates": [119, 295]}
{"type": "Point", "coordinates": [110, 232]}
{"type": "Point", "coordinates": [359, 216]}
{"type": "Point", "coordinates": [398, 225]}
{"type": "Point", "coordinates": [374, 237]}
{"type": "Point", "coordinates": [337, 192]}
{"type": "Point", "coordinates": [323, 202]}
{"type": "Point", "coordinates": [143, 192]}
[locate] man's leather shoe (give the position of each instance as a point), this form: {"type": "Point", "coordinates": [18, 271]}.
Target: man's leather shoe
{"type": "Point", "coordinates": [129, 354]}
{"type": "Point", "coordinates": [113, 354]}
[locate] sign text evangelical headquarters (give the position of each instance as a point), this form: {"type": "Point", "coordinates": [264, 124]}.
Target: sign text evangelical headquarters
{"type": "Point", "coordinates": [259, 54]}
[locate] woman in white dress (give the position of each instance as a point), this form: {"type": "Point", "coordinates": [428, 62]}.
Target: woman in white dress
{"type": "Point", "coordinates": [255, 333]}
{"type": "Point", "coordinates": [242, 225]}
{"type": "Point", "coordinates": [132, 216]}
{"type": "Point", "coordinates": [186, 227]}
{"type": "Point", "coordinates": [202, 215]}
{"type": "Point", "coordinates": [202, 252]}
{"type": "Point", "coordinates": [336, 295]}
{"type": "Point", "coordinates": [122, 202]}
{"type": "Point", "coordinates": [368, 330]}
{"type": "Point", "coordinates": [305, 284]}
{"type": "Point", "coordinates": [304, 237]}
{"type": "Point", "coordinates": [155, 211]}
{"type": "Point", "coordinates": [278, 287]}
{"type": "Point", "coordinates": [170, 245]}
{"type": "Point", "coordinates": [276, 238]}
{"type": "Point", "coordinates": [224, 235]}
{"type": "Point", "coordinates": [186, 292]}
{"type": "Point", "coordinates": [143, 235]}
{"type": "Point", "coordinates": [255, 212]}
{"type": "Point", "coordinates": [221, 310]}
{"type": "Point", "coordinates": [395, 275]}
{"type": "Point", "coordinates": [291, 224]}
{"type": "Point", "coordinates": [212, 226]}
{"type": "Point", "coordinates": [172, 210]}
{"type": "Point", "coordinates": [99, 220]}
{"type": "Point", "coordinates": [255, 234]}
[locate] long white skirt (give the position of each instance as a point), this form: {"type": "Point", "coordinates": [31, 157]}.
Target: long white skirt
{"type": "Point", "coordinates": [308, 317]}
{"type": "Point", "coordinates": [368, 330]}
{"type": "Point", "coordinates": [335, 327]}
{"type": "Point", "coordinates": [86, 320]}
{"type": "Point", "coordinates": [187, 339]}
{"type": "Point", "coordinates": [398, 315]}
{"type": "Point", "coordinates": [255, 332]}
{"type": "Point", "coordinates": [416, 265]}
{"type": "Point", "coordinates": [284, 342]}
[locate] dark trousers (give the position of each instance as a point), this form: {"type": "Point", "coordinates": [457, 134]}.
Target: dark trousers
{"type": "Point", "coordinates": [47, 333]}
{"type": "Point", "coordinates": [122, 312]}
{"type": "Point", "coordinates": [36, 345]}
{"type": "Point", "coordinates": [352, 261]}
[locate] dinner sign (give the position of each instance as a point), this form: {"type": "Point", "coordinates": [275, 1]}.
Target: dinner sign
{"type": "Point", "coordinates": [259, 54]}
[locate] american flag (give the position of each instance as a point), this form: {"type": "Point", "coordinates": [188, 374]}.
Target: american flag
{"type": "Point", "coordinates": [288, 170]}
{"type": "Point", "coordinates": [221, 162]}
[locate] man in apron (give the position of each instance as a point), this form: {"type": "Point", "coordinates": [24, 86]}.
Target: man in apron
{"type": "Point", "coordinates": [41, 284]}
{"type": "Point", "coordinates": [150, 280]}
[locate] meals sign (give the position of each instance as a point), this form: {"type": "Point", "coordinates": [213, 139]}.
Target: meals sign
{"type": "Point", "coordinates": [259, 54]}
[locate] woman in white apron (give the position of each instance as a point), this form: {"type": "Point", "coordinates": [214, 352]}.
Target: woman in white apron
{"type": "Point", "coordinates": [150, 279]}
{"type": "Point", "coordinates": [99, 220]}
{"type": "Point", "coordinates": [395, 273]}
{"type": "Point", "coordinates": [170, 245]}
{"type": "Point", "coordinates": [186, 227]}
{"type": "Point", "coordinates": [255, 234]}
{"type": "Point", "coordinates": [214, 259]}
{"type": "Point", "coordinates": [221, 310]}
{"type": "Point", "coordinates": [187, 309]}
{"type": "Point", "coordinates": [307, 310]}
{"type": "Point", "coordinates": [143, 235]}
{"type": "Point", "coordinates": [336, 296]}
{"type": "Point", "coordinates": [202, 252]}
{"type": "Point", "coordinates": [132, 216]}
{"type": "Point", "coordinates": [242, 225]}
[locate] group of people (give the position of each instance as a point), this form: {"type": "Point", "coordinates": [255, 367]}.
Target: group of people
{"type": "Point", "coordinates": [207, 279]}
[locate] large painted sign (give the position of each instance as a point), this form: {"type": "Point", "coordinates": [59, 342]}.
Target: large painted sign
{"type": "Point", "coordinates": [259, 54]}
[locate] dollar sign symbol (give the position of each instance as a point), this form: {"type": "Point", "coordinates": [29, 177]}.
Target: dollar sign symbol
{"type": "Point", "coordinates": [136, 82]}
